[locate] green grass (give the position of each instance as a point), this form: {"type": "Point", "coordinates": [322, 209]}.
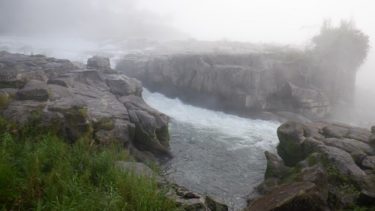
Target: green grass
{"type": "Point", "coordinates": [39, 171]}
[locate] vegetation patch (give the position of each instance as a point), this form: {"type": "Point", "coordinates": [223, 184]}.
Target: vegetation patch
{"type": "Point", "coordinates": [40, 171]}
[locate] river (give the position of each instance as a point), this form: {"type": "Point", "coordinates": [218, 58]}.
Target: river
{"type": "Point", "coordinates": [215, 153]}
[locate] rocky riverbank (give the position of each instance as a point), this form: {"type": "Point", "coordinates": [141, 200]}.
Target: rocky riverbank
{"type": "Point", "coordinates": [92, 101]}
{"type": "Point", "coordinates": [323, 166]}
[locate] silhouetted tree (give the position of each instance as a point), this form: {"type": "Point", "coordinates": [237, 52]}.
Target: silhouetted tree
{"type": "Point", "coordinates": [345, 46]}
{"type": "Point", "coordinates": [338, 52]}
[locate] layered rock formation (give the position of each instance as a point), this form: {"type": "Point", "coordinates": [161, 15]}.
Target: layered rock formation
{"type": "Point", "coordinates": [322, 167]}
{"type": "Point", "coordinates": [241, 83]}
{"type": "Point", "coordinates": [97, 102]}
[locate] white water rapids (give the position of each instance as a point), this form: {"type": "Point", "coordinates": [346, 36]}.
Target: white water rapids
{"type": "Point", "coordinates": [215, 153]}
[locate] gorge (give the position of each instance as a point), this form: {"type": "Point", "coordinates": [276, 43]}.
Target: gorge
{"type": "Point", "coordinates": [218, 152]}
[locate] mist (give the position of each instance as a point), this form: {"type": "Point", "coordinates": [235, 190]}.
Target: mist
{"type": "Point", "coordinates": [90, 19]}
{"type": "Point", "coordinates": [287, 23]}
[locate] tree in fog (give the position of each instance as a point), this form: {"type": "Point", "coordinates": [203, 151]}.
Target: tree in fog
{"type": "Point", "coordinates": [345, 45]}
{"type": "Point", "coordinates": [339, 52]}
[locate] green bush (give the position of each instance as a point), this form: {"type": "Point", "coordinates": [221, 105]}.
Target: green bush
{"type": "Point", "coordinates": [42, 172]}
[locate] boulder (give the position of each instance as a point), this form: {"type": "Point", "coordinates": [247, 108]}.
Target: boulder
{"type": "Point", "coordinates": [120, 85]}
{"type": "Point", "coordinates": [372, 136]}
{"type": "Point", "coordinates": [151, 126]}
{"type": "Point", "coordinates": [334, 160]}
{"type": "Point", "coordinates": [291, 147]}
{"type": "Point", "coordinates": [99, 63]}
{"type": "Point", "coordinates": [57, 82]}
{"type": "Point", "coordinates": [275, 167]}
{"type": "Point", "coordinates": [368, 162]}
{"type": "Point", "coordinates": [190, 201]}
{"type": "Point", "coordinates": [214, 205]}
{"type": "Point", "coordinates": [349, 145]}
{"type": "Point", "coordinates": [34, 90]}
{"type": "Point", "coordinates": [292, 197]}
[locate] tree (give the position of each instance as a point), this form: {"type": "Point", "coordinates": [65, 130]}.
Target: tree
{"type": "Point", "coordinates": [345, 46]}
{"type": "Point", "coordinates": [338, 52]}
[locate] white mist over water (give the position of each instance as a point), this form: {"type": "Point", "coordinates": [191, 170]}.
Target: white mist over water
{"type": "Point", "coordinates": [215, 153]}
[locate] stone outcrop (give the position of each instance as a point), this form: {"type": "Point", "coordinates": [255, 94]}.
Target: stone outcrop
{"type": "Point", "coordinates": [323, 166]}
{"type": "Point", "coordinates": [239, 83]}
{"type": "Point", "coordinates": [94, 102]}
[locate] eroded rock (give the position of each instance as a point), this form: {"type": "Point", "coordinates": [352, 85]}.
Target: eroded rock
{"type": "Point", "coordinates": [292, 197]}
{"type": "Point", "coordinates": [334, 160]}
{"type": "Point", "coordinates": [80, 102]}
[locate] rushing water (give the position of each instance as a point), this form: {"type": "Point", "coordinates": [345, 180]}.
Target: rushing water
{"type": "Point", "coordinates": [215, 153]}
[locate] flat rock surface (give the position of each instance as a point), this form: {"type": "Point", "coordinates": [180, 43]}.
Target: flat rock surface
{"type": "Point", "coordinates": [82, 101]}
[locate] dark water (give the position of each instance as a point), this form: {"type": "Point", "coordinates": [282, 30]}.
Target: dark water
{"type": "Point", "coordinates": [215, 153]}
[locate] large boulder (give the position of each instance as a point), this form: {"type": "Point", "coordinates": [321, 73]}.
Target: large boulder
{"type": "Point", "coordinates": [292, 197]}
{"type": "Point", "coordinates": [151, 129]}
{"type": "Point", "coordinates": [334, 162]}
{"type": "Point", "coordinates": [34, 90]}
{"type": "Point", "coordinates": [99, 63]}
{"type": "Point", "coordinates": [292, 146]}
{"type": "Point", "coordinates": [120, 85]}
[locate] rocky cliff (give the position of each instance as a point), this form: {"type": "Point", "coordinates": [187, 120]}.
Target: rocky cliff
{"type": "Point", "coordinates": [276, 81]}
{"type": "Point", "coordinates": [322, 167]}
{"type": "Point", "coordinates": [93, 101]}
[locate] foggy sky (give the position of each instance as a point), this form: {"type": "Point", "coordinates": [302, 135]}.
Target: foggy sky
{"type": "Point", "coordinates": [87, 18]}
{"type": "Point", "coordinates": [267, 21]}
{"type": "Point", "coordinates": [291, 22]}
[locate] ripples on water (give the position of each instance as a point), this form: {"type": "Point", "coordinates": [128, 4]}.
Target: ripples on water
{"type": "Point", "coordinates": [215, 153]}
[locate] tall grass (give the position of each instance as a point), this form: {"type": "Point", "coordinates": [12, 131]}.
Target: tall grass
{"type": "Point", "coordinates": [39, 171]}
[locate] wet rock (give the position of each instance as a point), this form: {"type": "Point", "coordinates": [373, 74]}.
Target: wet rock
{"type": "Point", "coordinates": [99, 63]}
{"type": "Point", "coordinates": [190, 201]}
{"type": "Point", "coordinates": [275, 166]}
{"type": "Point", "coordinates": [335, 158]}
{"type": "Point", "coordinates": [335, 131]}
{"type": "Point", "coordinates": [57, 82]}
{"type": "Point", "coordinates": [291, 147]}
{"type": "Point", "coordinates": [82, 103]}
{"type": "Point", "coordinates": [292, 197]}
{"type": "Point", "coordinates": [372, 136]}
{"type": "Point", "coordinates": [368, 162]}
{"type": "Point", "coordinates": [343, 161]}
{"type": "Point", "coordinates": [121, 85]}
{"type": "Point", "coordinates": [151, 131]}
{"type": "Point", "coordinates": [214, 205]}
{"type": "Point", "coordinates": [34, 90]}
{"type": "Point", "coordinates": [348, 145]}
